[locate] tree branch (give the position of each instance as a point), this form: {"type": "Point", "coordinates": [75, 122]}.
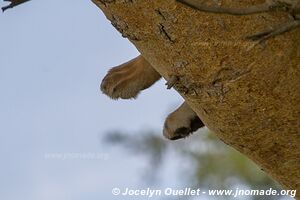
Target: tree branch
{"type": "Point", "coordinates": [249, 96]}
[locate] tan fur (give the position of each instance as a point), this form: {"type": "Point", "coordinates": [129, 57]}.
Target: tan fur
{"type": "Point", "coordinates": [127, 80]}
{"type": "Point", "coordinates": [179, 123]}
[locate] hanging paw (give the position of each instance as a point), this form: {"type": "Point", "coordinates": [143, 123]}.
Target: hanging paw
{"type": "Point", "coordinates": [127, 80]}
{"type": "Point", "coordinates": [181, 123]}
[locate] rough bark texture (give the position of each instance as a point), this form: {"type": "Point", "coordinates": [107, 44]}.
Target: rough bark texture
{"type": "Point", "coordinates": [248, 95]}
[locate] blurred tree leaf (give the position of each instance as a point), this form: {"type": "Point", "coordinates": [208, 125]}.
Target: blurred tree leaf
{"type": "Point", "coordinates": [211, 163]}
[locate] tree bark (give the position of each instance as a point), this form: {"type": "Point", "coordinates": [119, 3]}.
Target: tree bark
{"type": "Point", "coordinates": [247, 94]}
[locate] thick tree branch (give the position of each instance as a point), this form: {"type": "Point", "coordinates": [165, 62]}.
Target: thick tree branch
{"type": "Point", "coordinates": [248, 95]}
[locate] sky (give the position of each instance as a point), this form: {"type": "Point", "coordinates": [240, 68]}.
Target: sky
{"type": "Point", "coordinates": [53, 55]}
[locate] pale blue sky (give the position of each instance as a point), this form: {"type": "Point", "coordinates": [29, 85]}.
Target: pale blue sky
{"type": "Point", "coordinates": [53, 55]}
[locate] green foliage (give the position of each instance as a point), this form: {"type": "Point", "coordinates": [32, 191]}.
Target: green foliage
{"type": "Point", "coordinates": [211, 163]}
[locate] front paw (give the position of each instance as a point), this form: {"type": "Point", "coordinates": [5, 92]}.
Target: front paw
{"type": "Point", "coordinates": [175, 130]}
{"type": "Point", "coordinates": [127, 80]}
{"type": "Point", "coordinates": [181, 123]}
{"type": "Point", "coordinates": [120, 84]}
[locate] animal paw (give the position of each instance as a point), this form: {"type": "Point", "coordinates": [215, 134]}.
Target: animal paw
{"type": "Point", "coordinates": [181, 123]}
{"type": "Point", "coordinates": [127, 80]}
